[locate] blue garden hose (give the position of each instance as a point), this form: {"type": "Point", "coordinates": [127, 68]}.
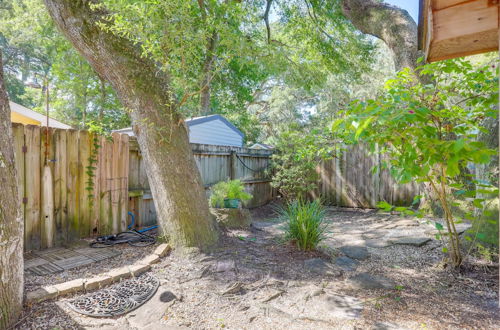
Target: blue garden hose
{"type": "Point", "coordinates": [132, 215]}
{"type": "Point", "coordinates": [133, 220]}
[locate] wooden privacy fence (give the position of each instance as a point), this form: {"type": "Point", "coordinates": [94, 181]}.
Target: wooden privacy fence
{"type": "Point", "coordinates": [216, 163]}
{"type": "Point", "coordinates": [84, 193]}
{"type": "Point", "coordinates": [348, 180]}
{"type": "Point", "coordinates": [81, 185]}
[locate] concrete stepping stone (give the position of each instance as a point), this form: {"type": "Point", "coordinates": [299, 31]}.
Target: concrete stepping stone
{"type": "Point", "coordinates": [378, 243]}
{"type": "Point", "coordinates": [413, 241]}
{"type": "Point", "coordinates": [460, 227]}
{"type": "Point", "coordinates": [355, 251]}
{"type": "Point", "coordinates": [366, 281]}
{"type": "Point", "coordinates": [150, 315]}
{"type": "Point", "coordinates": [347, 263]}
{"type": "Point", "coordinates": [403, 223]}
{"type": "Point", "coordinates": [225, 266]}
{"type": "Point", "coordinates": [387, 326]}
{"type": "Point", "coordinates": [317, 266]}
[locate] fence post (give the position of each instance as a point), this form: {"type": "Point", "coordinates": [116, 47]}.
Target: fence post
{"type": "Point", "coordinates": [233, 164]}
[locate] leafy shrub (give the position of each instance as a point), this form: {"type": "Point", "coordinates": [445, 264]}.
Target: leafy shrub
{"type": "Point", "coordinates": [231, 189]}
{"type": "Point", "coordinates": [305, 223]}
{"type": "Point", "coordinates": [430, 132]}
{"type": "Point", "coordinates": [298, 154]}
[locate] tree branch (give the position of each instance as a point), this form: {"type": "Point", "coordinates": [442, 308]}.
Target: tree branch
{"type": "Point", "coordinates": [266, 20]}
{"type": "Point", "coordinates": [391, 24]}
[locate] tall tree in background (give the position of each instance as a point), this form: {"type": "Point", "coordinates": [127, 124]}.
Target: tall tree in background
{"type": "Point", "coordinates": [175, 180]}
{"type": "Point", "coordinates": [11, 222]}
{"type": "Point", "coordinates": [34, 50]}
{"type": "Point", "coordinates": [225, 56]}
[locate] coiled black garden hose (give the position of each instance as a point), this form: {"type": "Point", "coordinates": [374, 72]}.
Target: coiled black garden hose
{"type": "Point", "coordinates": [132, 237]}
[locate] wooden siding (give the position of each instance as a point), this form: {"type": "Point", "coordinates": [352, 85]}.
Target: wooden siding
{"type": "Point", "coordinates": [214, 132]}
{"type": "Point", "coordinates": [451, 28]}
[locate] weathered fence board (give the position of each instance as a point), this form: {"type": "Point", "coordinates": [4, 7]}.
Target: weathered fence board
{"type": "Point", "coordinates": [63, 182]}
{"type": "Point", "coordinates": [32, 192]}
{"type": "Point", "coordinates": [215, 163]}
{"type": "Point", "coordinates": [348, 180]}
{"type": "Point", "coordinates": [105, 156]}
{"type": "Point", "coordinates": [18, 136]}
{"type": "Point", "coordinates": [60, 187]}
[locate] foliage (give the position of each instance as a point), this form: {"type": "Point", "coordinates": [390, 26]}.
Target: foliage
{"type": "Point", "coordinates": [309, 43]}
{"type": "Point", "coordinates": [428, 122]}
{"type": "Point", "coordinates": [35, 50]}
{"type": "Point", "coordinates": [305, 223]}
{"type": "Point", "coordinates": [279, 104]}
{"type": "Point", "coordinates": [298, 154]}
{"type": "Point", "coordinates": [231, 189]}
{"type": "Point", "coordinates": [483, 235]}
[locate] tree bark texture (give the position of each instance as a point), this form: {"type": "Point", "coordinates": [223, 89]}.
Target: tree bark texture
{"type": "Point", "coordinates": [176, 185]}
{"type": "Point", "coordinates": [391, 24]}
{"type": "Point", "coordinates": [11, 221]}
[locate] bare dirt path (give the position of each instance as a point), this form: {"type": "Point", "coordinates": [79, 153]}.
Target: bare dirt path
{"type": "Point", "coordinates": [368, 275]}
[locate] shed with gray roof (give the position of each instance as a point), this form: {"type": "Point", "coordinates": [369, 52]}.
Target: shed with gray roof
{"type": "Point", "coordinates": [213, 129]}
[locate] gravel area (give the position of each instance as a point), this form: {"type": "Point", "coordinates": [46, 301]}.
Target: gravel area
{"type": "Point", "coordinates": [255, 280]}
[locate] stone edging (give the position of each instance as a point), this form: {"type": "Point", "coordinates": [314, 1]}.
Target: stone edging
{"type": "Point", "coordinates": [98, 281]}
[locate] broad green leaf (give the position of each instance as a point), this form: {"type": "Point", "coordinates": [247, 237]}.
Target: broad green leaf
{"type": "Point", "coordinates": [438, 226]}
{"type": "Point", "coordinates": [384, 205]}
{"type": "Point", "coordinates": [362, 127]}
{"type": "Point", "coordinates": [478, 202]}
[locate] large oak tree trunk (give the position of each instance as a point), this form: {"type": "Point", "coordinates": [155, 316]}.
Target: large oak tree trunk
{"type": "Point", "coordinates": [11, 222]}
{"type": "Point", "coordinates": [391, 24]}
{"type": "Point", "coordinates": [176, 185]}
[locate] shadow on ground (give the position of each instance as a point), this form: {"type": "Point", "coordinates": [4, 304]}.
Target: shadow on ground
{"type": "Point", "coordinates": [255, 280]}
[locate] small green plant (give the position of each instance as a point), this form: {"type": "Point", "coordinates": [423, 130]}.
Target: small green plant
{"type": "Point", "coordinates": [305, 223]}
{"type": "Point", "coordinates": [224, 190]}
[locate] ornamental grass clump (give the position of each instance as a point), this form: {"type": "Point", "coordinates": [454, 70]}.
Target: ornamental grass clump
{"type": "Point", "coordinates": [305, 223]}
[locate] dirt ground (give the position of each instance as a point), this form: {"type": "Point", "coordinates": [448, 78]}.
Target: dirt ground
{"type": "Point", "coordinates": [256, 280]}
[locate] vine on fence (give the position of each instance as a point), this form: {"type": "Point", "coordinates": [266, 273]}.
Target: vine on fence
{"type": "Point", "coordinates": [95, 131]}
